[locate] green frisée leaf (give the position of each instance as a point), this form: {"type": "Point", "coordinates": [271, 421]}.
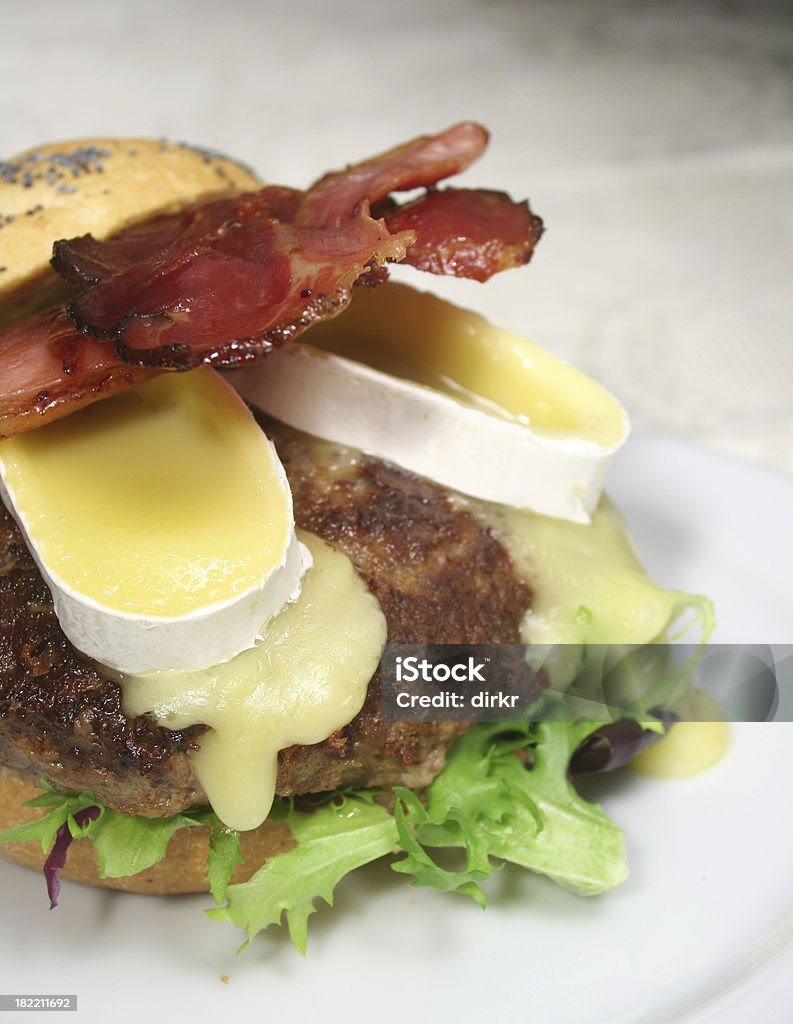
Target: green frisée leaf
{"type": "Point", "coordinates": [504, 795]}
{"type": "Point", "coordinates": [44, 829]}
{"type": "Point", "coordinates": [487, 798]}
{"type": "Point", "coordinates": [127, 845]}
{"type": "Point", "coordinates": [331, 841]}
{"type": "Point", "coordinates": [224, 855]}
{"type": "Point", "coordinates": [579, 847]}
{"type": "Point", "coordinates": [409, 811]}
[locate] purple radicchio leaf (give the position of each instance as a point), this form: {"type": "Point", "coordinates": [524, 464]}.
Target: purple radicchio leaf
{"type": "Point", "coordinates": [56, 860]}
{"type": "Point", "coordinates": [614, 745]}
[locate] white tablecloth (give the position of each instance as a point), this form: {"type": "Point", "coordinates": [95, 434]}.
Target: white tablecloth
{"type": "Point", "coordinates": [655, 138]}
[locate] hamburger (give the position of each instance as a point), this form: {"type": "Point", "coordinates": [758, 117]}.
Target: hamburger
{"type": "Point", "coordinates": [133, 756]}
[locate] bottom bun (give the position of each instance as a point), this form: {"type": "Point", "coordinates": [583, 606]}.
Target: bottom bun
{"type": "Point", "coordinates": [183, 870]}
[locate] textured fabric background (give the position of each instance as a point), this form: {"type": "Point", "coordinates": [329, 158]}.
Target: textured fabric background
{"type": "Point", "coordinates": [655, 138]}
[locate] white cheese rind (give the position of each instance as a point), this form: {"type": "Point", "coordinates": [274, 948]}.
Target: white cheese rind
{"type": "Point", "coordinates": [429, 433]}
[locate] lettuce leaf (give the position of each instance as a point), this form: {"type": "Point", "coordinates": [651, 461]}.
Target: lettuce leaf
{"type": "Point", "coordinates": [504, 795]}
{"type": "Point", "coordinates": [224, 856]}
{"type": "Point", "coordinates": [331, 841]}
{"type": "Point", "coordinates": [409, 811]}
{"type": "Point", "coordinates": [127, 844]}
{"type": "Point", "coordinates": [492, 804]}
{"type": "Point", "coordinates": [44, 829]}
{"type": "Point", "coordinates": [488, 799]}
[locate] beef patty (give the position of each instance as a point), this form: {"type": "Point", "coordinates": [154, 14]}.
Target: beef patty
{"type": "Point", "coordinates": [439, 575]}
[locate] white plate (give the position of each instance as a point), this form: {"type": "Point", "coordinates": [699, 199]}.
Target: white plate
{"type": "Point", "coordinates": [702, 929]}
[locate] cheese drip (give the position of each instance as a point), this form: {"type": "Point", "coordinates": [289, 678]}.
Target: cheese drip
{"type": "Point", "coordinates": [589, 587]}
{"type": "Point", "coordinates": [689, 748]}
{"type": "Point", "coordinates": [306, 677]}
{"type": "Point", "coordinates": [587, 581]}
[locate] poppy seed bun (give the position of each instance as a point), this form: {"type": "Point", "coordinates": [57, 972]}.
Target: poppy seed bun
{"type": "Point", "coordinates": [98, 187]}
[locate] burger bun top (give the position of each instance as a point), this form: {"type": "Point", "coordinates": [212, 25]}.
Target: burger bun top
{"type": "Point", "coordinates": [97, 186]}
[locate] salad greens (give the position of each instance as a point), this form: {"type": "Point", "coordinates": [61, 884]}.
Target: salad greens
{"type": "Point", "coordinates": [504, 795]}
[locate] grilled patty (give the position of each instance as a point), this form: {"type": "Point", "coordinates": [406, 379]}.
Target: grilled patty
{"type": "Point", "coordinates": [439, 575]}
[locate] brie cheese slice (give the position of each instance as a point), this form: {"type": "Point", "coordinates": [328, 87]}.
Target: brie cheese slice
{"type": "Point", "coordinates": [161, 519]}
{"type": "Point", "coordinates": [438, 390]}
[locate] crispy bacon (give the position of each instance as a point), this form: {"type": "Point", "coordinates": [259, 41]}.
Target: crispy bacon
{"type": "Point", "coordinates": [417, 164]}
{"type": "Point", "coordinates": [466, 233]}
{"type": "Point", "coordinates": [49, 370]}
{"type": "Point", "coordinates": [247, 284]}
{"type": "Point", "coordinates": [86, 260]}
{"type": "Point", "coordinates": [230, 280]}
{"type": "Point", "coordinates": [242, 276]}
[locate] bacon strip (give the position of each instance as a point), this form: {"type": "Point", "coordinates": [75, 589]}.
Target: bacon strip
{"type": "Point", "coordinates": [467, 233]}
{"type": "Point", "coordinates": [49, 370]}
{"type": "Point", "coordinates": [245, 287]}
{"type": "Point", "coordinates": [417, 164]}
{"type": "Point", "coordinates": [229, 281]}
{"type": "Point", "coordinates": [86, 260]}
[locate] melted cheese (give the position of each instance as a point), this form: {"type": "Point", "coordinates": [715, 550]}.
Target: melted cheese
{"type": "Point", "coordinates": [691, 746]}
{"type": "Point", "coordinates": [306, 677]}
{"type": "Point", "coordinates": [587, 582]}
{"type": "Point", "coordinates": [687, 749]}
{"type": "Point", "coordinates": [589, 587]}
